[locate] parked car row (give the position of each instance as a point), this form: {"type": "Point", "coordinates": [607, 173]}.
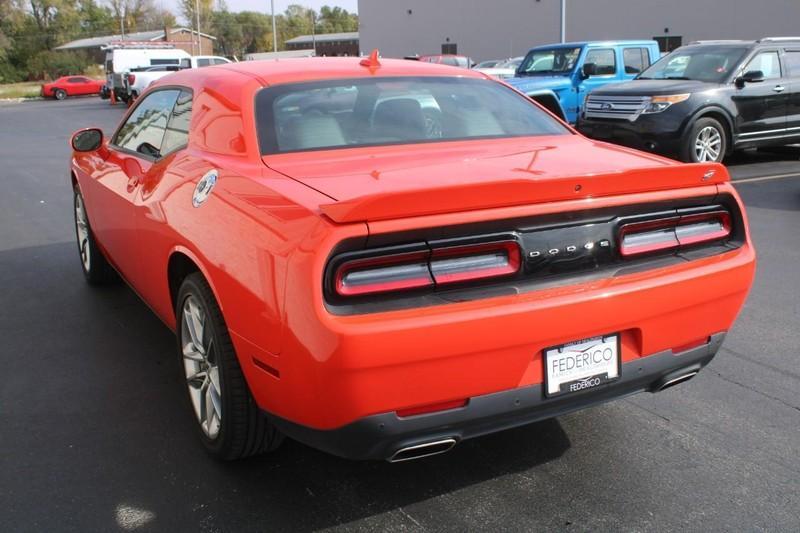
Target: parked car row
{"type": "Point", "coordinates": [699, 103]}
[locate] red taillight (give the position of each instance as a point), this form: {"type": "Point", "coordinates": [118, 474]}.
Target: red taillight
{"type": "Point", "coordinates": [673, 232]}
{"type": "Point", "coordinates": [414, 270]}
{"type": "Point", "coordinates": [431, 408]}
{"type": "Point", "coordinates": [131, 79]}
{"type": "Point", "coordinates": [384, 274]}
{"type": "Point", "coordinates": [473, 262]}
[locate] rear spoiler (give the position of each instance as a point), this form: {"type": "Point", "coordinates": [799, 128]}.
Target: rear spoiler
{"type": "Point", "coordinates": [508, 193]}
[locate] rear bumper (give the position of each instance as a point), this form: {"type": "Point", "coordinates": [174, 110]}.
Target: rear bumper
{"type": "Point", "coordinates": [381, 436]}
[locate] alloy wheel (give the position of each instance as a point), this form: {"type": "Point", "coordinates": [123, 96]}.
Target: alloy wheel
{"type": "Point", "coordinates": [200, 364]}
{"type": "Point", "coordinates": [82, 232]}
{"type": "Point", "coordinates": [708, 144]}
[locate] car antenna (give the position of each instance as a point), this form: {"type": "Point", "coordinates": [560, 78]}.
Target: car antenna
{"type": "Point", "coordinates": [372, 61]}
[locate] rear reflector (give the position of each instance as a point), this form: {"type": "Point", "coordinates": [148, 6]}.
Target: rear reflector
{"type": "Point", "coordinates": [691, 345]}
{"type": "Point", "coordinates": [431, 408]}
{"type": "Point", "coordinates": [440, 266]}
{"type": "Point", "coordinates": [673, 232]}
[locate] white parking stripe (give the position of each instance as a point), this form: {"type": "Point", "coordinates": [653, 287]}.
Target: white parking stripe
{"type": "Point", "coordinates": [767, 178]}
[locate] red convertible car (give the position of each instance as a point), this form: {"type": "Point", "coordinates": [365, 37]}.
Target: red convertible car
{"type": "Point", "coordinates": [383, 258]}
{"type": "Point", "coordinates": [71, 86]}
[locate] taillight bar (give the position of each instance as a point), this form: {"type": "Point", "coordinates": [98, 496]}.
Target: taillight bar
{"type": "Point", "coordinates": [673, 232]}
{"type": "Point", "coordinates": [479, 261]}
{"type": "Point", "coordinates": [387, 273]}
{"type": "Point", "coordinates": [427, 269]}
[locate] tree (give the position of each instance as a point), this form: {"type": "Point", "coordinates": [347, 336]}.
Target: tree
{"type": "Point", "coordinates": [187, 8]}
{"type": "Point", "coordinates": [335, 20]}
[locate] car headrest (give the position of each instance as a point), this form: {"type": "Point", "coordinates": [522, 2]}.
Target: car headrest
{"type": "Point", "coordinates": [315, 131]}
{"type": "Point", "coordinates": [399, 118]}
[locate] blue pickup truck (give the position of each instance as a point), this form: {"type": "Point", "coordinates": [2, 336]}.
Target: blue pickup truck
{"type": "Point", "coordinates": [559, 76]}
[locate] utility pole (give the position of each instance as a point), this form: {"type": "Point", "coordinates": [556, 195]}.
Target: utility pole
{"type": "Point", "coordinates": [122, 21]}
{"type": "Point", "coordinates": [563, 21]}
{"type": "Point", "coordinates": [274, 31]}
{"type": "Point", "coordinates": [197, 15]}
{"type": "Point", "coordinates": [313, 32]}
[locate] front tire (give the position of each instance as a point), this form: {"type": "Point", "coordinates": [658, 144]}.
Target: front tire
{"type": "Point", "coordinates": [230, 424]}
{"type": "Point", "coordinates": [706, 141]}
{"type": "Point", "coordinates": [59, 94]}
{"type": "Point", "coordinates": [96, 268]}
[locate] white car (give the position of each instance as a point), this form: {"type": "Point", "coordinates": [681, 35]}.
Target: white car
{"type": "Point", "coordinates": [502, 69]}
{"type": "Point", "coordinates": [137, 80]}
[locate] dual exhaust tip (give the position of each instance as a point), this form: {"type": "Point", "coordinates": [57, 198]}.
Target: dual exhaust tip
{"type": "Point", "coordinates": [426, 449]}
{"type": "Point", "coordinates": [668, 382]}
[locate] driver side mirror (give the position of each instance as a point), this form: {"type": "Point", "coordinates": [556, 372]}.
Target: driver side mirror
{"type": "Point", "coordinates": [87, 140]}
{"type": "Point", "coordinates": [751, 76]}
{"type": "Point", "coordinates": [588, 70]}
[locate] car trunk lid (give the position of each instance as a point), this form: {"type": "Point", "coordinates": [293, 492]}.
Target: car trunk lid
{"type": "Point", "coordinates": [387, 182]}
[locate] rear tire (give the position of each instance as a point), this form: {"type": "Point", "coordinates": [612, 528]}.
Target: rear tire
{"type": "Point", "coordinates": [706, 141]}
{"type": "Point", "coordinates": [60, 94]}
{"type": "Point", "coordinates": [96, 268]}
{"type": "Point", "coordinates": [230, 424]}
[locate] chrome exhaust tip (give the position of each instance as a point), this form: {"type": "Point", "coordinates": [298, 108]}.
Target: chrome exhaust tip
{"type": "Point", "coordinates": [422, 450]}
{"type": "Point", "coordinates": [674, 381]}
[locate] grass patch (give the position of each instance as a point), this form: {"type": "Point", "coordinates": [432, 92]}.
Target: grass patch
{"type": "Point", "coordinates": [29, 89]}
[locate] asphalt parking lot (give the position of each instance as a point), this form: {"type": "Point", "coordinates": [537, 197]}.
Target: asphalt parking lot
{"type": "Point", "coordinates": [95, 432]}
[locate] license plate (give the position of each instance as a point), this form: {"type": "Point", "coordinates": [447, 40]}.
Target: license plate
{"type": "Point", "coordinates": [581, 365]}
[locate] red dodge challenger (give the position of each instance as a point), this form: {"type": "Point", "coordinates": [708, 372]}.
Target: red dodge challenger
{"type": "Point", "coordinates": [71, 86]}
{"type": "Point", "coordinates": [382, 258]}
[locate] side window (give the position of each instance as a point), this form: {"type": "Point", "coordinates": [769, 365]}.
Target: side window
{"type": "Point", "coordinates": [604, 60]}
{"type": "Point", "coordinates": [792, 60]}
{"type": "Point", "coordinates": [76, 80]}
{"type": "Point", "coordinates": [220, 61]}
{"type": "Point", "coordinates": [144, 130]}
{"type": "Point", "coordinates": [203, 62]}
{"type": "Point", "coordinates": [177, 134]}
{"type": "Point", "coordinates": [452, 61]}
{"type": "Point", "coordinates": [635, 60]}
{"type": "Point", "coordinates": [766, 62]}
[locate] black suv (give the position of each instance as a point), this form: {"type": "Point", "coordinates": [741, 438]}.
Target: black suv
{"type": "Point", "coordinates": [704, 100]}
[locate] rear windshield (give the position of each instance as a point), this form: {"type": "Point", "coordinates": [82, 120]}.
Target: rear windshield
{"type": "Point", "coordinates": [384, 111]}
{"type": "Point", "coordinates": [705, 63]}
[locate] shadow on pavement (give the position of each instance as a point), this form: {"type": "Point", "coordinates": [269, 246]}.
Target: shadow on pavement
{"type": "Point", "coordinates": [96, 428]}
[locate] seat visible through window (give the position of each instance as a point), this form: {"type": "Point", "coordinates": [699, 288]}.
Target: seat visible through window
{"type": "Point", "coordinates": [312, 131]}
{"type": "Point", "coordinates": [399, 118]}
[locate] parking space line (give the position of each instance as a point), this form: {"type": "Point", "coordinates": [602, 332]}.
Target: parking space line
{"type": "Point", "coordinates": [767, 178]}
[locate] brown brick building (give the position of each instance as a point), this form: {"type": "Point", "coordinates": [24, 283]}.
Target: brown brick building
{"type": "Point", "coordinates": [327, 44]}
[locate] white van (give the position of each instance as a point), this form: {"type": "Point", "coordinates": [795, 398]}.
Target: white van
{"type": "Point", "coordinates": [125, 56]}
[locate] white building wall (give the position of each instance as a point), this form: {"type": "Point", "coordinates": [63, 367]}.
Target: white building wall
{"type": "Point", "coordinates": [488, 29]}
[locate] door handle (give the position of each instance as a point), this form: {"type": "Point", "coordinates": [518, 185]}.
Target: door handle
{"type": "Point", "coordinates": [779, 88]}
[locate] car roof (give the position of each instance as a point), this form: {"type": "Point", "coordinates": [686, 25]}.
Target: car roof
{"type": "Point", "coordinates": [576, 44]}
{"type": "Point", "coordinates": [296, 70]}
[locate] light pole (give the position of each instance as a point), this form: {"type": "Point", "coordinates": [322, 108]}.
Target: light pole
{"type": "Point", "coordinates": [563, 21]}
{"type": "Point", "coordinates": [274, 33]}
{"type": "Point", "coordinates": [313, 32]}
{"type": "Point", "coordinates": [197, 15]}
